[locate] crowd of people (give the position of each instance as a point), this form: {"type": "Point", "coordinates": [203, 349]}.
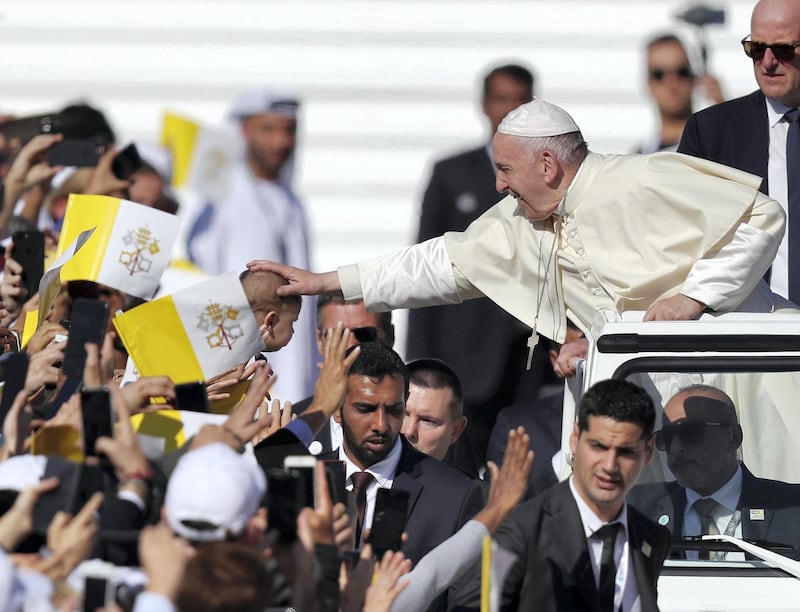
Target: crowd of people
{"type": "Point", "coordinates": [376, 489]}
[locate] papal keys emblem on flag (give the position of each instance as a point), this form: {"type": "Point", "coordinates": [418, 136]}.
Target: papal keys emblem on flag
{"type": "Point", "coordinates": [221, 322]}
{"type": "Point", "coordinates": [142, 243]}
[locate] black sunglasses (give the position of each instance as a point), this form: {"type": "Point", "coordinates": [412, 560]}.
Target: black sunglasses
{"type": "Point", "coordinates": [658, 74]}
{"type": "Point", "coordinates": [365, 334]}
{"type": "Point", "coordinates": [783, 52]}
{"type": "Point", "coordinates": [691, 433]}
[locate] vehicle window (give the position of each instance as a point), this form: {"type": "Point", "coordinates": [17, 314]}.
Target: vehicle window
{"type": "Point", "coordinates": [728, 453]}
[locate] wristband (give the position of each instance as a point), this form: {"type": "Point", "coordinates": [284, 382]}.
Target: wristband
{"type": "Point", "coordinates": [143, 475]}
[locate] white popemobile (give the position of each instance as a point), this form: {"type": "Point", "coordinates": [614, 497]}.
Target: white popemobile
{"type": "Point", "coordinates": [755, 359]}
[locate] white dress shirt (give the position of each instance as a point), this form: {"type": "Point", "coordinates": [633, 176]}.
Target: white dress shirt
{"type": "Point", "coordinates": [779, 190]}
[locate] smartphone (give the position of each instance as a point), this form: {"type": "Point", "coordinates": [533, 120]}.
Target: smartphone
{"type": "Point", "coordinates": [284, 502]}
{"type": "Point", "coordinates": [97, 418]}
{"type": "Point", "coordinates": [25, 128]}
{"type": "Point", "coordinates": [388, 520]}
{"type": "Point", "coordinates": [126, 162]}
{"type": "Point", "coordinates": [29, 253]}
{"type": "Point", "coordinates": [304, 466]}
{"type": "Point", "coordinates": [336, 473]}
{"type": "Point", "coordinates": [96, 593]}
{"type": "Point", "coordinates": [81, 152]}
{"type": "Point", "coordinates": [77, 483]}
{"type": "Point", "coordinates": [88, 321]}
{"type": "Point", "coordinates": [13, 371]}
{"type": "Point", "coordinates": [191, 396]}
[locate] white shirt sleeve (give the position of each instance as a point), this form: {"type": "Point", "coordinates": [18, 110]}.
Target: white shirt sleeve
{"type": "Point", "coordinates": [726, 278]}
{"type": "Point", "coordinates": [147, 601]}
{"type": "Point", "coordinates": [419, 275]}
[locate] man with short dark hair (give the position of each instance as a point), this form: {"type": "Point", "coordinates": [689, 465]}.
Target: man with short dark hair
{"type": "Point", "coordinates": [579, 546]}
{"type": "Point", "coordinates": [714, 492]}
{"type": "Point", "coordinates": [365, 326]}
{"type": "Point", "coordinates": [434, 410]}
{"type": "Point", "coordinates": [376, 456]}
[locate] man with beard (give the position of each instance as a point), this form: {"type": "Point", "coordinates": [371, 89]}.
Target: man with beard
{"type": "Point", "coordinates": [376, 456]}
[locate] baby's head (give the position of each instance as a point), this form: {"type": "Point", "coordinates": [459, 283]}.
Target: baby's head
{"type": "Point", "coordinates": [276, 315]}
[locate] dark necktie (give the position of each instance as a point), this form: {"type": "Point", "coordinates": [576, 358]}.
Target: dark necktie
{"type": "Point", "coordinates": [608, 569]}
{"type": "Point", "coordinates": [360, 480]}
{"type": "Point", "coordinates": [706, 507]}
{"type": "Point", "coordinates": [793, 185]}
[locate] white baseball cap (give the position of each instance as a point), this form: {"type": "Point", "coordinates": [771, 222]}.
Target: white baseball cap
{"type": "Point", "coordinates": [212, 493]}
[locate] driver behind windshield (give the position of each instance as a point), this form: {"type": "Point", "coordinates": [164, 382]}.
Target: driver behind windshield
{"type": "Point", "coordinates": [714, 492]}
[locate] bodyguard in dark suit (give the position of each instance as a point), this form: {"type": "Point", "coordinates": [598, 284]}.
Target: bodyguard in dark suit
{"type": "Point", "coordinates": [570, 540]}
{"type": "Point", "coordinates": [542, 420]}
{"type": "Point", "coordinates": [484, 345]}
{"type": "Point", "coordinates": [701, 437]}
{"type": "Point", "coordinates": [734, 133]}
{"type": "Point", "coordinates": [441, 499]}
{"type": "Point", "coordinates": [756, 133]}
{"type": "Point", "coordinates": [770, 509]}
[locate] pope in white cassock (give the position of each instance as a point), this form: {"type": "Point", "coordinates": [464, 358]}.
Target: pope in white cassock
{"type": "Point", "coordinates": [579, 232]}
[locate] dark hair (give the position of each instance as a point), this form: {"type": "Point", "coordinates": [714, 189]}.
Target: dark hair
{"type": "Point", "coordinates": [384, 318]}
{"type": "Point", "coordinates": [436, 374]}
{"type": "Point", "coordinates": [663, 39]}
{"type": "Point", "coordinates": [225, 576]}
{"type": "Point", "coordinates": [84, 121]}
{"type": "Point", "coordinates": [620, 400]}
{"type": "Point", "coordinates": [378, 361]}
{"type": "Point", "coordinates": [514, 71]}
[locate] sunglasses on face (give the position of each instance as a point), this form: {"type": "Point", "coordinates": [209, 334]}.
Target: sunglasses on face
{"type": "Point", "coordinates": [659, 74]}
{"type": "Point", "coordinates": [783, 52]}
{"type": "Point", "coordinates": [690, 433]}
{"type": "Point", "coordinates": [365, 334]}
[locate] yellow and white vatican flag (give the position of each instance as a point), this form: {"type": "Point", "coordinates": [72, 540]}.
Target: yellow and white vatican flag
{"type": "Point", "coordinates": [496, 562]}
{"type": "Point", "coordinates": [128, 248]}
{"type": "Point", "coordinates": [202, 156]}
{"type": "Point", "coordinates": [193, 334]}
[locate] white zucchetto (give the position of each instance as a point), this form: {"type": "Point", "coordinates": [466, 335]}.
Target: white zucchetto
{"type": "Point", "coordinates": [537, 119]}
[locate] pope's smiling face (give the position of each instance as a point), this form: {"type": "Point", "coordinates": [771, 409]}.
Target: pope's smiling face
{"type": "Point", "coordinates": [524, 178]}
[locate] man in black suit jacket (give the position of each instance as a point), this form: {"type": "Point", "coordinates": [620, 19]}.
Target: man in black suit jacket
{"type": "Point", "coordinates": [441, 498]}
{"type": "Point", "coordinates": [739, 133]}
{"type": "Point", "coordinates": [556, 536]}
{"type": "Point", "coordinates": [542, 420]}
{"type": "Point", "coordinates": [491, 362]}
{"type": "Point", "coordinates": [701, 437]}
